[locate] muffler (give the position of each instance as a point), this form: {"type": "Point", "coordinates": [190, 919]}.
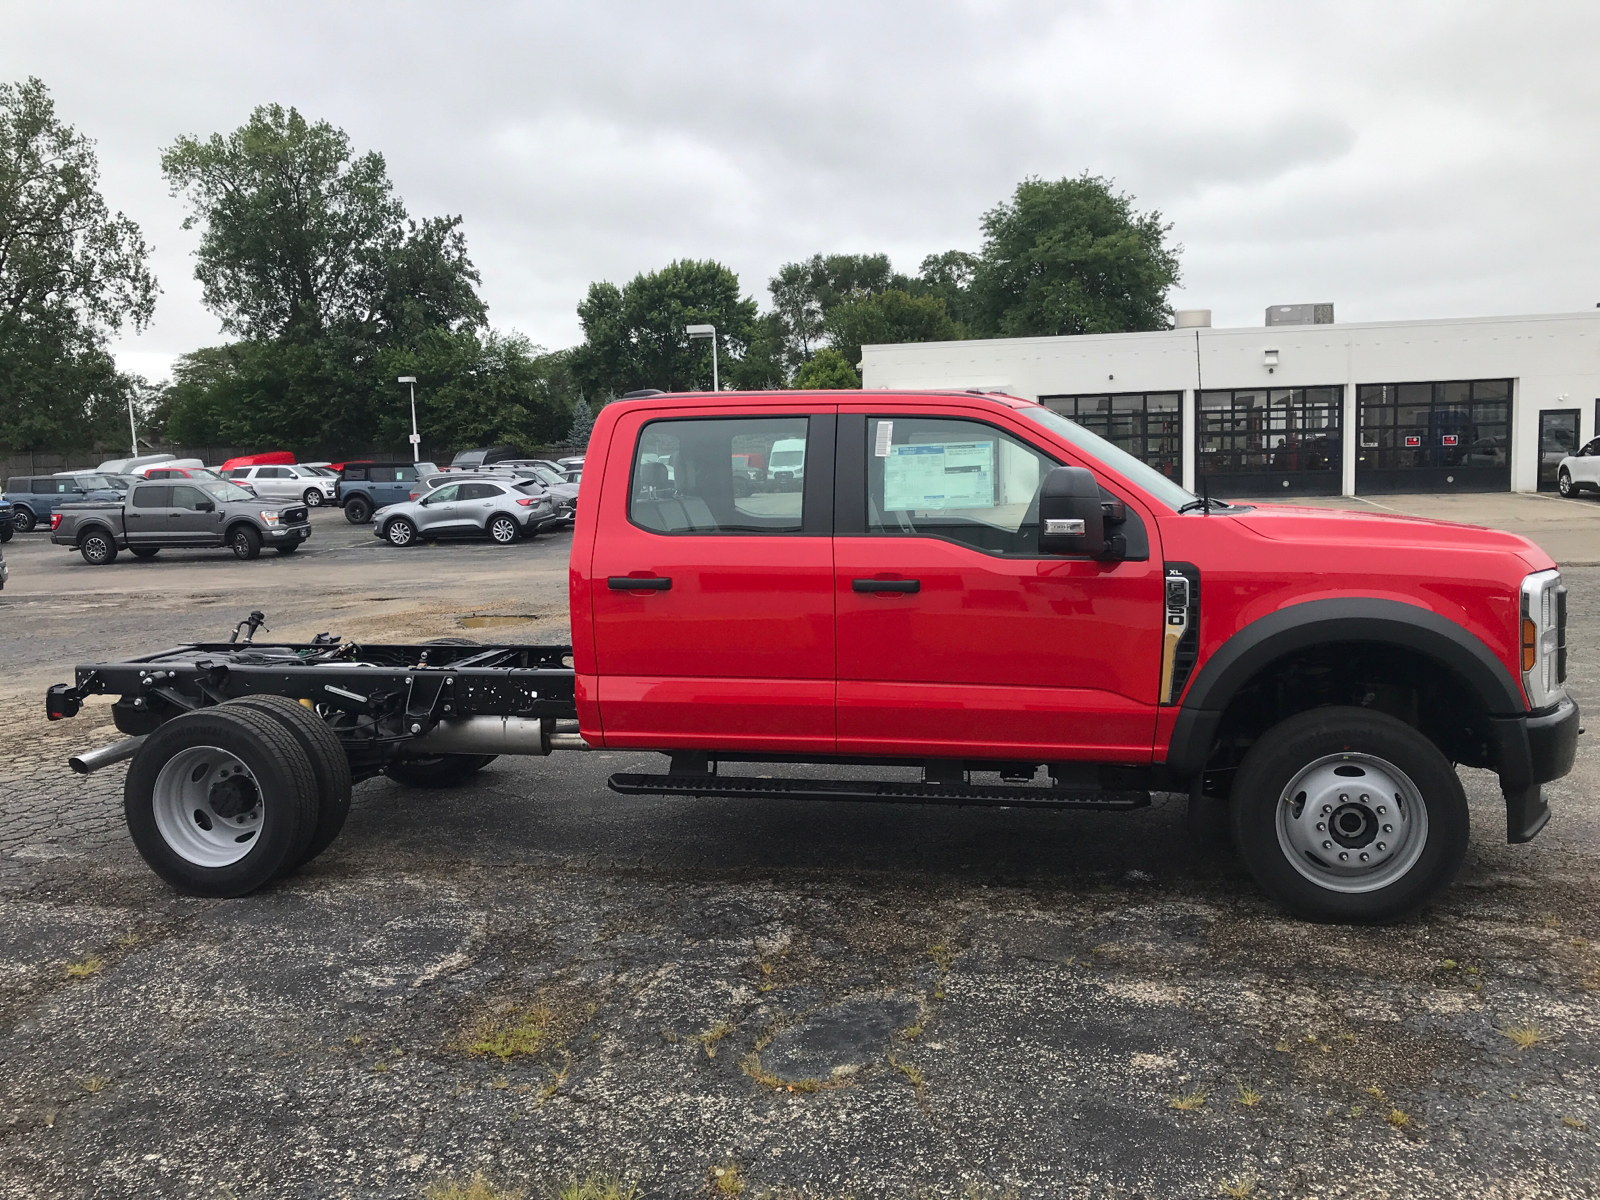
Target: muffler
{"type": "Point", "coordinates": [484, 735]}
{"type": "Point", "coordinates": [93, 760]}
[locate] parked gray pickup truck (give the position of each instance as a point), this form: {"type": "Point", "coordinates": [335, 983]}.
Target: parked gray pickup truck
{"type": "Point", "coordinates": [197, 514]}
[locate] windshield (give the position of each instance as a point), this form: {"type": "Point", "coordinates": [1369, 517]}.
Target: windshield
{"type": "Point", "coordinates": [1119, 460]}
{"type": "Point", "coordinates": [546, 475]}
{"type": "Point", "coordinates": [223, 490]}
{"type": "Point", "coordinates": [93, 483]}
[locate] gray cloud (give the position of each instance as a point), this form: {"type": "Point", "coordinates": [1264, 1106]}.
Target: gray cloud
{"type": "Point", "coordinates": [1402, 160]}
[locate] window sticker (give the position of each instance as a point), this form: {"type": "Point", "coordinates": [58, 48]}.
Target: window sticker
{"type": "Point", "coordinates": [885, 435]}
{"type": "Point", "coordinates": [939, 475]}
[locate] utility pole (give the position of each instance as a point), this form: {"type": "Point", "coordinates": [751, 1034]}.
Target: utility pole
{"type": "Point", "coordinates": [416, 438]}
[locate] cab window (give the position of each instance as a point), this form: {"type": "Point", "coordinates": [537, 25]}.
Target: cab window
{"type": "Point", "coordinates": [713, 476]}
{"type": "Point", "coordinates": [153, 495]}
{"type": "Point", "coordinates": [962, 481]}
{"type": "Point", "coordinates": [187, 496]}
{"type": "Point", "coordinates": [444, 495]}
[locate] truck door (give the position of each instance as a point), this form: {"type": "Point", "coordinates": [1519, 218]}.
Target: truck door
{"type": "Point", "coordinates": [193, 518]}
{"type": "Point", "coordinates": [712, 596]}
{"type": "Point", "coordinates": [146, 514]}
{"type": "Point", "coordinates": [956, 636]}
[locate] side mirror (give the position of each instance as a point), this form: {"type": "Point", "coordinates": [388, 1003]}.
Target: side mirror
{"type": "Point", "coordinates": [205, 506]}
{"type": "Point", "coordinates": [1071, 521]}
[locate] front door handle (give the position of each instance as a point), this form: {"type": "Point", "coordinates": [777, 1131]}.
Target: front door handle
{"type": "Point", "coordinates": [886, 585]}
{"type": "Point", "coordinates": [627, 583]}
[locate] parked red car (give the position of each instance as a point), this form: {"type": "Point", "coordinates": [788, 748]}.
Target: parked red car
{"type": "Point", "coordinates": [272, 458]}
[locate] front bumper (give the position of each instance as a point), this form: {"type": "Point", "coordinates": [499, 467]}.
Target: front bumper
{"type": "Point", "coordinates": [282, 533]}
{"type": "Point", "coordinates": [1534, 749]}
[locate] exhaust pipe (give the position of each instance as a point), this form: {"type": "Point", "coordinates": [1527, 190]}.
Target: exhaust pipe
{"type": "Point", "coordinates": [485, 735]}
{"type": "Point", "coordinates": [93, 760]}
{"type": "Point", "coordinates": [568, 741]}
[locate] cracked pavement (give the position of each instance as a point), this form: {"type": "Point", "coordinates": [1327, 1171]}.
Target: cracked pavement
{"type": "Point", "coordinates": [838, 999]}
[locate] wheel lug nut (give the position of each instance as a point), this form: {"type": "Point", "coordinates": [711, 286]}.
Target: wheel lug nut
{"type": "Point", "coordinates": [1344, 856]}
{"type": "Point", "coordinates": [1327, 845]}
{"type": "Point", "coordinates": [1343, 799]}
{"type": "Point", "coordinates": [1382, 846]}
{"type": "Point", "coordinates": [1322, 827]}
{"type": "Point", "coordinates": [1382, 810]}
{"type": "Point", "coordinates": [1366, 799]}
{"type": "Point", "coordinates": [1326, 809]}
{"type": "Point", "coordinates": [1363, 858]}
{"type": "Point", "coordinates": [1388, 828]}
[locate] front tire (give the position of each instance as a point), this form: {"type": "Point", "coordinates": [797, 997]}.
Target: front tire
{"type": "Point", "coordinates": [23, 520]}
{"type": "Point", "coordinates": [1346, 814]}
{"type": "Point", "coordinates": [357, 511]}
{"type": "Point", "coordinates": [400, 532]}
{"type": "Point", "coordinates": [312, 497]}
{"type": "Point", "coordinates": [245, 542]}
{"type": "Point", "coordinates": [98, 549]}
{"type": "Point", "coordinates": [1564, 483]}
{"type": "Point", "coordinates": [218, 800]}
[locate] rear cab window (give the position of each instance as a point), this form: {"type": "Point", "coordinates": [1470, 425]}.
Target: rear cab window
{"type": "Point", "coordinates": [694, 476]}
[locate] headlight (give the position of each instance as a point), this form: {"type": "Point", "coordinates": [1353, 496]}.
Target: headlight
{"type": "Point", "coordinates": [271, 518]}
{"type": "Point", "coordinates": [1544, 638]}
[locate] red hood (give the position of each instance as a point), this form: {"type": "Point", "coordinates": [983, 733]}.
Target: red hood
{"type": "Point", "coordinates": [1342, 526]}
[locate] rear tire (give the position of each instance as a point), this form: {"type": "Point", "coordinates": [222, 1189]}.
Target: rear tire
{"type": "Point", "coordinates": [97, 548]}
{"type": "Point", "coordinates": [312, 497]}
{"type": "Point", "coordinates": [1346, 814]}
{"type": "Point", "coordinates": [245, 542]}
{"type": "Point", "coordinates": [23, 520]}
{"type": "Point", "coordinates": [328, 764]}
{"type": "Point", "coordinates": [503, 530]}
{"type": "Point", "coordinates": [357, 511]}
{"type": "Point", "coordinates": [202, 776]}
{"type": "Point", "coordinates": [145, 551]}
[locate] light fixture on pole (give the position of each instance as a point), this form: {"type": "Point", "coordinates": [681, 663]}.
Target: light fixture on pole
{"type": "Point", "coordinates": [708, 331]}
{"type": "Point", "coordinates": [416, 438]}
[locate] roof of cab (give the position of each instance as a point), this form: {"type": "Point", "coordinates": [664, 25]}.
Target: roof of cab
{"type": "Point", "coordinates": [793, 396]}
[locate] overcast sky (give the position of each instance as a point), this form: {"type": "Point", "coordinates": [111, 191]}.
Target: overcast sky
{"type": "Point", "coordinates": [1401, 160]}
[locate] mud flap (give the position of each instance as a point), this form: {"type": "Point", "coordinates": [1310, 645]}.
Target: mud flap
{"type": "Point", "coordinates": [1526, 812]}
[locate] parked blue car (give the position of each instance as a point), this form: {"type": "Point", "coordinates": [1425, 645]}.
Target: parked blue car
{"type": "Point", "coordinates": [34, 497]}
{"type": "Point", "coordinates": [365, 487]}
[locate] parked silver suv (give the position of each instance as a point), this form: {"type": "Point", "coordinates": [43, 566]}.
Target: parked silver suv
{"type": "Point", "coordinates": [287, 483]}
{"type": "Point", "coordinates": [500, 510]}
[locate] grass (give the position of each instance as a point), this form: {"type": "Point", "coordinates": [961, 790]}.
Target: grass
{"type": "Point", "coordinates": [96, 1083]}
{"type": "Point", "coordinates": [476, 1188]}
{"type": "Point", "coordinates": [750, 1064]}
{"type": "Point", "coordinates": [1189, 1101]}
{"type": "Point", "coordinates": [1524, 1037]}
{"type": "Point", "coordinates": [1574, 1122]}
{"type": "Point", "coordinates": [557, 1080]}
{"type": "Point", "coordinates": [595, 1187]}
{"type": "Point", "coordinates": [517, 1031]}
{"type": "Point", "coordinates": [911, 1072]}
{"type": "Point", "coordinates": [912, 1032]}
{"type": "Point", "coordinates": [86, 968]}
{"type": "Point", "coordinates": [727, 1180]}
{"type": "Point", "coordinates": [1399, 1119]}
{"type": "Point", "coordinates": [1238, 1188]}
{"type": "Point", "coordinates": [709, 1039]}
{"type": "Point", "coordinates": [1248, 1096]}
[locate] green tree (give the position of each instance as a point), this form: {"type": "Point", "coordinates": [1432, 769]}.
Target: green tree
{"type": "Point", "coordinates": [764, 366]}
{"type": "Point", "coordinates": [804, 293]}
{"type": "Point", "coordinates": [1072, 256]}
{"type": "Point", "coordinates": [634, 337]}
{"type": "Point", "coordinates": [71, 272]}
{"type": "Point", "coordinates": [948, 276]}
{"type": "Point", "coordinates": [301, 236]}
{"type": "Point", "coordinates": [888, 317]}
{"type": "Point", "coordinates": [582, 422]}
{"type": "Point", "coordinates": [828, 369]}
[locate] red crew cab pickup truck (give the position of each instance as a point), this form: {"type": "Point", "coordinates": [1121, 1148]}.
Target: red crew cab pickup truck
{"type": "Point", "coordinates": [965, 584]}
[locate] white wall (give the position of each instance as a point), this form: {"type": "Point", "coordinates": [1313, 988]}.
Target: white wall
{"type": "Point", "coordinates": [1554, 361]}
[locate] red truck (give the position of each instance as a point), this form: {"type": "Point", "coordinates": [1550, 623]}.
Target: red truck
{"type": "Point", "coordinates": [966, 585]}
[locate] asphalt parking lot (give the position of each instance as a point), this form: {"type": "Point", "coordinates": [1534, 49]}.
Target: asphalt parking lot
{"type": "Point", "coordinates": [812, 999]}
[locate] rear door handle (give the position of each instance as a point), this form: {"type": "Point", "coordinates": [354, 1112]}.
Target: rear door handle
{"type": "Point", "coordinates": [627, 583]}
{"type": "Point", "coordinates": [886, 585]}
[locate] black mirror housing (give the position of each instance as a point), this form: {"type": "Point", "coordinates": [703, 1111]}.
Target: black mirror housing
{"type": "Point", "coordinates": [1071, 520]}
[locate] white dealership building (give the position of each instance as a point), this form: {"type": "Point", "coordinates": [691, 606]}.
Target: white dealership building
{"type": "Point", "coordinates": [1477, 404]}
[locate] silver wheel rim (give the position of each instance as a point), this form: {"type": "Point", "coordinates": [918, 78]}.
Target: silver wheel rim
{"type": "Point", "coordinates": [1352, 823]}
{"type": "Point", "coordinates": [208, 807]}
{"type": "Point", "coordinates": [400, 533]}
{"type": "Point", "coordinates": [502, 531]}
{"type": "Point", "coordinates": [313, 498]}
{"type": "Point", "coordinates": [1565, 484]}
{"type": "Point", "coordinates": [96, 547]}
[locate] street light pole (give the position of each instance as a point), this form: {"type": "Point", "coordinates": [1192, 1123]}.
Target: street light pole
{"type": "Point", "coordinates": [416, 438]}
{"type": "Point", "coordinates": [133, 431]}
{"type": "Point", "coordinates": [708, 331]}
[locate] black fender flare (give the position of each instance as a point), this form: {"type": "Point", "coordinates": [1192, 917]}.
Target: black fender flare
{"type": "Point", "coordinates": [229, 529]}
{"type": "Point", "coordinates": [1317, 622]}
{"type": "Point", "coordinates": [90, 526]}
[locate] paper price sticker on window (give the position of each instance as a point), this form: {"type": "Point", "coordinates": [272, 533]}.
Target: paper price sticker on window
{"type": "Point", "coordinates": [885, 435]}
{"type": "Point", "coordinates": [938, 475]}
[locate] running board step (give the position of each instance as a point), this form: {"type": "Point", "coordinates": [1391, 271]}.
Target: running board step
{"type": "Point", "coordinates": [881, 790]}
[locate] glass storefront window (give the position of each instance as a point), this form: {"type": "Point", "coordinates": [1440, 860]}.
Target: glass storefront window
{"type": "Point", "coordinates": [1269, 430]}
{"type": "Point", "coordinates": [1148, 425]}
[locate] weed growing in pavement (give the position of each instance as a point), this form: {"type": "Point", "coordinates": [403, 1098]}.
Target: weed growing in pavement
{"type": "Point", "coordinates": [1189, 1101]}
{"type": "Point", "coordinates": [912, 1032]}
{"type": "Point", "coordinates": [1248, 1096]}
{"type": "Point", "coordinates": [596, 1187]}
{"type": "Point", "coordinates": [727, 1180]}
{"type": "Point", "coordinates": [1524, 1037]}
{"type": "Point", "coordinates": [96, 1083]}
{"type": "Point", "coordinates": [1399, 1119]}
{"type": "Point", "coordinates": [84, 969]}
{"type": "Point", "coordinates": [911, 1072]}
{"type": "Point", "coordinates": [974, 1190]}
{"type": "Point", "coordinates": [1574, 1123]}
{"type": "Point", "coordinates": [476, 1188]}
{"type": "Point", "coordinates": [557, 1079]}
{"type": "Point", "coordinates": [750, 1064]}
{"type": "Point", "coordinates": [516, 1031]}
{"type": "Point", "coordinates": [709, 1039]}
{"type": "Point", "coordinates": [1238, 1188]}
